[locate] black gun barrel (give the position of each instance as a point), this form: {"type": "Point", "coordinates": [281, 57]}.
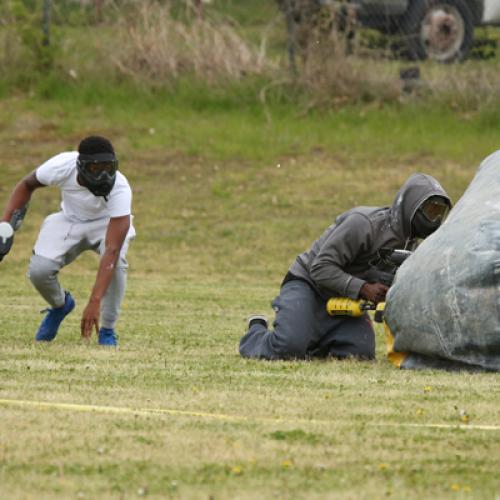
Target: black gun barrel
{"type": "Point", "coordinates": [397, 257]}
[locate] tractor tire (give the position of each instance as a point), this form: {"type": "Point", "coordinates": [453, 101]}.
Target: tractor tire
{"type": "Point", "coordinates": [440, 30]}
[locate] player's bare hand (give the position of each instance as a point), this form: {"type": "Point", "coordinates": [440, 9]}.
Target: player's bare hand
{"type": "Point", "coordinates": [374, 292]}
{"type": "Point", "coordinates": [90, 319]}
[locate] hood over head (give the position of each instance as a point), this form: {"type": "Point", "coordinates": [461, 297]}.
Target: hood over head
{"type": "Point", "coordinates": [415, 191]}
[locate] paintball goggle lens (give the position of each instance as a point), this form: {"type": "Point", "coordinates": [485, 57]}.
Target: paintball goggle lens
{"type": "Point", "coordinates": [435, 209]}
{"type": "Point", "coordinates": [95, 168]}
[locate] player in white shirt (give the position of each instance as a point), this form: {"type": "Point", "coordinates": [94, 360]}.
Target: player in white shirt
{"type": "Point", "coordinates": [95, 215]}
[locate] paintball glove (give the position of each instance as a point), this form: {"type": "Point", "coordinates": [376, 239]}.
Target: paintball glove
{"type": "Point", "coordinates": [374, 292]}
{"type": "Point", "coordinates": [6, 238]}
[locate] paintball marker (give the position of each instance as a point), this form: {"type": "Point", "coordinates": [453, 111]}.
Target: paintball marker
{"type": "Point", "coordinates": [382, 271]}
{"type": "Point", "coordinates": [343, 306]}
{"type": "Point", "coordinates": [7, 230]}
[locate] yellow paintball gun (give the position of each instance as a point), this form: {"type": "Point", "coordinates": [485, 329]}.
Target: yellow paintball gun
{"type": "Point", "coordinates": [343, 306]}
{"type": "Point", "coordinates": [382, 270]}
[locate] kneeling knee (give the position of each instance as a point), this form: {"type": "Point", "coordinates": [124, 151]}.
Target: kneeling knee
{"type": "Point", "coordinates": [291, 350]}
{"type": "Point", "coordinates": [41, 269]}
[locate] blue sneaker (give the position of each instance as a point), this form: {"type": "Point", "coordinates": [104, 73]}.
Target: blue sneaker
{"type": "Point", "coordinates": [50, 324]}
{"type": "Point", "coordinates": [107, 336]}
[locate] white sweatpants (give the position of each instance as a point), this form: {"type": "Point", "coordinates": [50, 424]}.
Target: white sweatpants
{"type": "Point", "coordinates": [59, 243]}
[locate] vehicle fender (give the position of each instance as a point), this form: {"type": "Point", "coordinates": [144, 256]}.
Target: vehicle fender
{"type": "Point", "coordinates": [384, 7]}
{"type": "Point", "coordinates": [491, 13]}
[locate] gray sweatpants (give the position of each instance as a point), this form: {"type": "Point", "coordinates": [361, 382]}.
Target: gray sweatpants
{"type": "Point", "coordinates": [59, 243]}
{"type": "Point", "coordinates": [303, 328]}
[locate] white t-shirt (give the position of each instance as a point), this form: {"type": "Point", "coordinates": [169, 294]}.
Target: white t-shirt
{"type": "Point", "coordinates": [77, 201]}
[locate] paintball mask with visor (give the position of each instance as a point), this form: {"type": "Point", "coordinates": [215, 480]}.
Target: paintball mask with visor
{"type": "Point", "coordinates": [429, 216]}
{"type": "Point", "coordinates": [97, 172]}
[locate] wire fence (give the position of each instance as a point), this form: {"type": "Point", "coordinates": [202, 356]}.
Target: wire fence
{"type": "Point", "coordinates": [47, 7]}
{"type": "Point", "coordinates": [380, 48]}
{"type": "Point", "coordinates": [440, 30]}
{"type": "Point", "coordinates": [336, 49]}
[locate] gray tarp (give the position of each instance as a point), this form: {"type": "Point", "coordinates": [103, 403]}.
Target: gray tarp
{"type": "Point", "coordinates": [444, 306]}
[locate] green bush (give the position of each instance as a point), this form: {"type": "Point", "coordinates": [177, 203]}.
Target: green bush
{"type": "Point", "coordinates": [30, 49]}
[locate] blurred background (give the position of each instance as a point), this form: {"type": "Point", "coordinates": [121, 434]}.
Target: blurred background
{"type": "Point", "coordinates": [336, 50]}
{"type": "Point", "coordinates": [332, 51]}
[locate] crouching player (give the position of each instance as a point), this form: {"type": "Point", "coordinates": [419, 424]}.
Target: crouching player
{"type": "Point", "coordinates": [95, 215]}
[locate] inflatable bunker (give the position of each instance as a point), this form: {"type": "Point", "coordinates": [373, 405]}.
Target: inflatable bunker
{"type": "Point", "coordinates": [443, 310]}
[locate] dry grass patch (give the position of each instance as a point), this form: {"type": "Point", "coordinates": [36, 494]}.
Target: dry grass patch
{"type": "Point", "coordinates": [155, 46]}
{"type": "Point", "coordinates": [471, 85]}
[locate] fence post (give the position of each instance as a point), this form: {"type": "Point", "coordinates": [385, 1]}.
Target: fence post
{"type": "Point", "coordinates": [198, 4]}
{"type": "Point", "coordinates": [46, 22]}
{"type": "Point", "coordinates": [98, 10]}
{"type": "Point", "coordinates": [291, 37]}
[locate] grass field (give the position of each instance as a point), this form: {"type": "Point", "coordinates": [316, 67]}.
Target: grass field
{"type": "Point", "coordinates": [228, 188]}
{"type": "Point", "coordinates": [225, 196]}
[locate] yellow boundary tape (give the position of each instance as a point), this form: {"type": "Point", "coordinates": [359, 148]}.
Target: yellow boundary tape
{"type": "Point", "coordinates": [148, 412]}
{"type": "Point", "coordinates": [467, 427]}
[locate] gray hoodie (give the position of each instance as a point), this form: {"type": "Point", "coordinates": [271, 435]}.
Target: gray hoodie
{"type": "Point", "coordinates": [337, 263]}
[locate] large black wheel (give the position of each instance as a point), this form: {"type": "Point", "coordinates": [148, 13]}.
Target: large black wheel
{"type": "Point", "coordinates": [441, 30]}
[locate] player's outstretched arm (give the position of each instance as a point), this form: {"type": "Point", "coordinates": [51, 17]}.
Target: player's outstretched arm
{"type": "Point", "coordinates": [21, 195]}
{"type": "Point", "coordinates": [15, 210]}
{"type": "Point", "coordinates": [115, 236]}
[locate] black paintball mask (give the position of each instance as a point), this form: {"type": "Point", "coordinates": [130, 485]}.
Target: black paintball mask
{"type": "Point", "coordinates": [429, 216]}
{"type": "Point", "coordinates": [97, 172]}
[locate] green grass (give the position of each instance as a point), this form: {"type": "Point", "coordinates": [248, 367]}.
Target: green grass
{"type": "Point", "coordinates": [231, 122]}
{"type": "Point", "coordinates": [226, 193]}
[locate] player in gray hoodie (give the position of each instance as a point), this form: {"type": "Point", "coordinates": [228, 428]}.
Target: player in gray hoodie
{"type": "Point", "coordinates": [339, 265]}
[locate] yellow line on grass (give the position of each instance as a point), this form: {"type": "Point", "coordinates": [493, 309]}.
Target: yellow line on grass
{"type": "Point", "coordinates": [47, 405]}
{"type": "Point", "coordinates": [148, 412]}
{"type": "Point", "coordinates": [473, 427]}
